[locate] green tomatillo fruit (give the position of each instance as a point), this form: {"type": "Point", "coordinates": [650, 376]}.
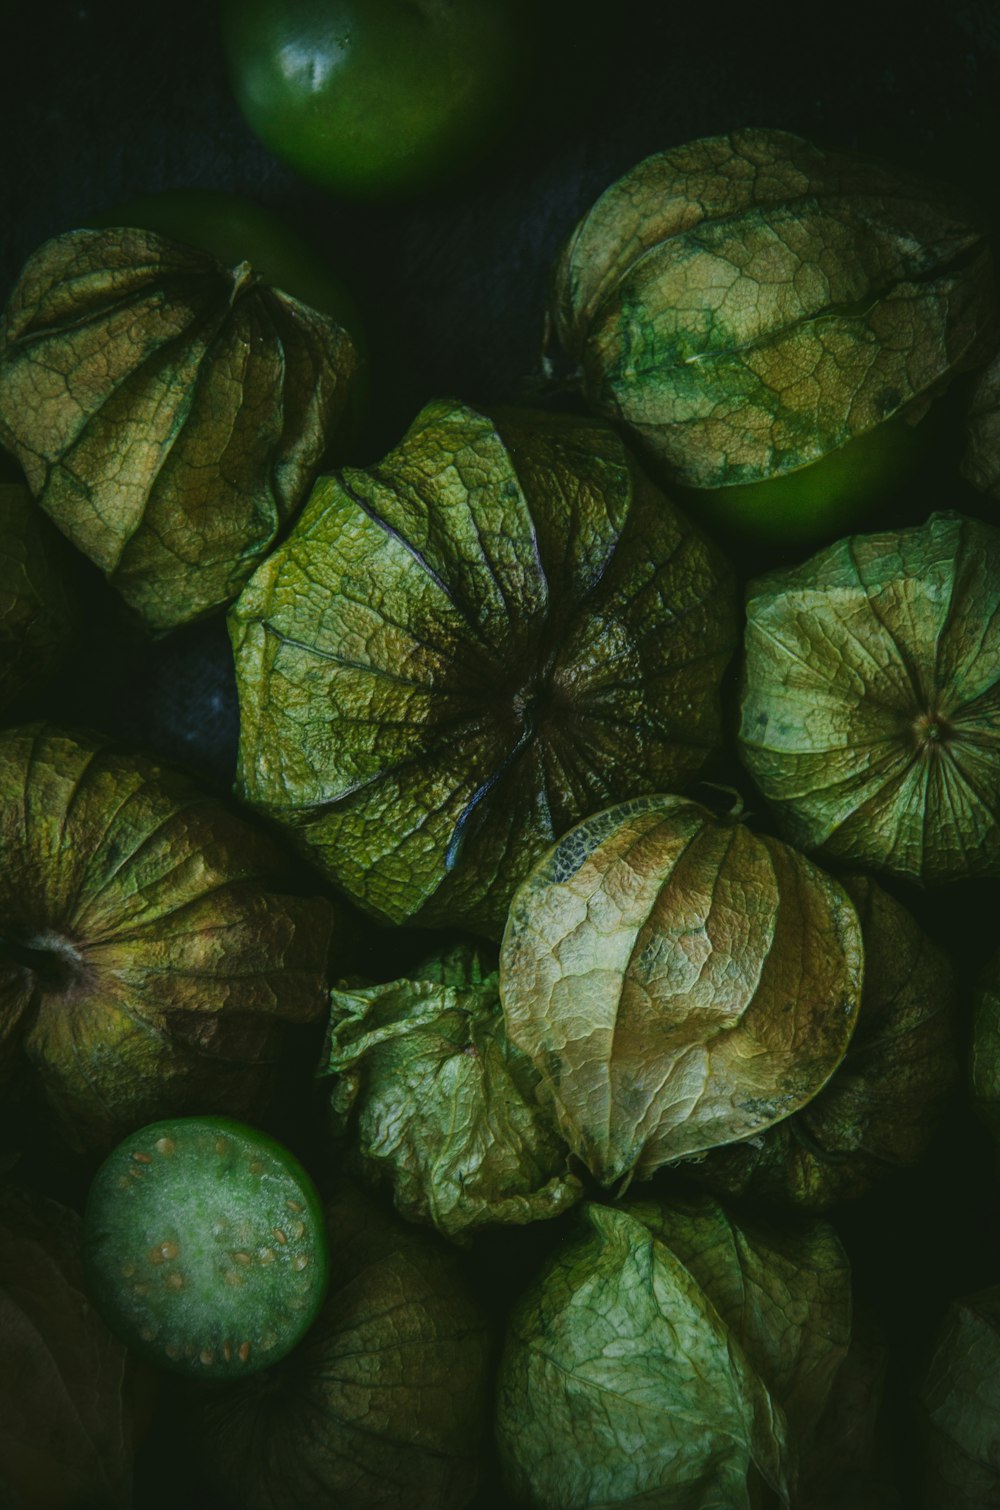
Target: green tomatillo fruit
{"type": "Point", "coordinates": [169, 411]}
{"type": "Point", "coordinates": [459, 652]}
{"type": "Point", "coordinates": [376, 98]}
{"type": "Point", "coordinates": [233, 229]}
{"type": "Point", "coordinates": [677, 981]}
{"type": "Point", "coordinates": [748, 303]}
{"type": "Point", "coordinates": [156, 952]}
{"type": "Point", "coordinates": [870, 692]}
{"type": "Point", "coordinates": [205, 1247]}
{"type": "Point", "coordinates": [820, 501]}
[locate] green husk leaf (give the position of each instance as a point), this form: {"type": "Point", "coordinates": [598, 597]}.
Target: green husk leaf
{"type": "Point", "coordinates": [382, 1406]}
{"type": "Point", "coordinates": [35, 618]}
{"type": "Point", "coordinates": [845, 1467]}
{"type": "Point", "coordinates": [440, 1106]}
{"type": "Point", "coordinates": [960, 1401]}
{"type": "Point", "coordinates": [883, 1104]}
{"type": "Point", "coordinates": [871, 696]}
{"type": "Point", "coordinates": [677, 981]}
{"type": "Point", "coordinates": [985, 1049]}
{"type": "Point", "coordinates": [981, 461]}
{"type": "Point", "coordinates": [670, 1357]}
{"type": "Point", "coordinates": [168, 412]}
{"type": "Point", "coordinates": [748, 303]}
{"type": "Point", "coordinates": [154, 951]}
{"type": "Point", "coordinates": [459, 652]}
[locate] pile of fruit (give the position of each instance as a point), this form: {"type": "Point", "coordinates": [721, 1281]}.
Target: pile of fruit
{"type": "Point", "coordinates": [491, 1100]}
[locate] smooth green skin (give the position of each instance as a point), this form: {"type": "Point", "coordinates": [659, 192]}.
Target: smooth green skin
{"type": "Point", "coordinates": [374, 98]}
{"type": "Point", "coordinates": [204, 1246]}
{"type": "Point", "coordinates": [235, 230]}
{"type": "Point", "coordinates": [817, 502]}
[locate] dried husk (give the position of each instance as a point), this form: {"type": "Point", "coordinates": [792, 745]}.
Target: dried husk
{"type": "Point", "coordinates": [672, 1355]}
{"type": "Point", "coordinates": [459, 652]}
{"type": "Point", "coordinates": [959, 1425]}
{"type": "Point", "coordinates": [678, 982]}
{"type": "Point", "coordinates": [155, 951]}
{"type": "Point", "coordinates": [981, 461]}
{"type": "Point", "coordinates": [849, 1462]}
{"type": "Point", "coordinates": [747, 303]}
{"type": "Point", "coordinates": [985, 1049]}
{"type": "Point", "coordinates": [66, 1385]}
{"type": "Point", "coordinates": [169, 412]}
{"type": "Point", "coordinates": [431, 1099]}
{"type": "Point", "coordinates": [884, 1102]}
{"type": "Point", "coordinates": [383, 1405]}
{"type": "Point", "coordinates": [871, 690]}
{"type": "Point", "coordinates": [36, 621]}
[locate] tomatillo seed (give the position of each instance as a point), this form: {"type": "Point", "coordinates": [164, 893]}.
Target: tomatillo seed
{"type": "Point", "coordinates": [204, 1246]}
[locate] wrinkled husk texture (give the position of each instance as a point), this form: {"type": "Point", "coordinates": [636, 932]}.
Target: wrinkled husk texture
{"type": "Point", "coordinates": [431, 1098]}
{"type": "Point", "coordinates": [885, 1100]}
{"type": "Point", "coordinates": [747, 303]}
{"type": "Point", "coordinates": [154, 952]}
{"type": "Point", "coordinates": [169, 412]}
{"type": "Point", "coordinates": [870, 695]}
{"type": "Point", "coordinates": [960, 1405]}
{"type": "Point", "coordinates": [672, 1356]}
{"type": "Point", "coordinates": [66, 1385]}
{"type": "Point", "coordinates": [36, 621]}
{"type": "Point", "coordinates": [383, 1405]}
{"type": "Point", "coordinates": [678, 982]}
{"type": "Point", "coordinates": [461, 651]}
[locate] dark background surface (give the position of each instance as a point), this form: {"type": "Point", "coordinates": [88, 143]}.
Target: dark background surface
{"type": "Point", "coordinates": [101, 102]}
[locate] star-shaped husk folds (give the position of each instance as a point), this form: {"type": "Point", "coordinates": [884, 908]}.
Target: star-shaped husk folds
{"type": "Point", "coordinates": [678, 981]}
{"type": "Point", "coordinates": [871, 699]}
{"type": "Point", "coordinates": [169, 412]}
{"type": "Point", "coordinates": [459, 652]}
{"type": "Point", "coordinates": [155, 950]}
{"type": "Point", "coordinates": [748, 303]}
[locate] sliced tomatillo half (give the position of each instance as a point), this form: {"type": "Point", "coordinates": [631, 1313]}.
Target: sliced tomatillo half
{"type": "Point", "coordinates": [204, 1246]}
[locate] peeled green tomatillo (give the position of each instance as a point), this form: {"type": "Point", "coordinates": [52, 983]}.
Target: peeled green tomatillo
{"type": "Point", "coordinates": [375, 98]}
{"type": "Point", "coordinates": [205, 1247]}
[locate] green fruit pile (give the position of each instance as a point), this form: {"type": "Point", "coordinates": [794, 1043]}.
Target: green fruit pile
{"type": "Point", "coordinates": [562, 902]}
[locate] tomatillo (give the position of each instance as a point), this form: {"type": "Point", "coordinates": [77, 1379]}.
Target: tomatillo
{"type": "Point", "coordinates": [376, 98]}
{"type": "Point", "coordinates": [204, 1246]}
{"type": "Point", "coordinates": [233, 230]}
{"type": "Point", "coordinates": [819, 501]}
